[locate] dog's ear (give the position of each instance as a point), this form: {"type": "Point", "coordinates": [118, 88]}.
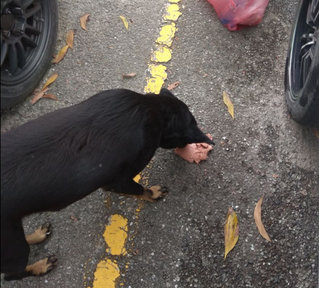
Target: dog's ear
{"type": "Point", "coordinates": [197, 136]}
{"type": "Point", "coordinates": [166, 92]}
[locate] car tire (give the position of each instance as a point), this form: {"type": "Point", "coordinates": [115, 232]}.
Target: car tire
{"type": "Point", "coordinates": [34, 44]}
{"type": "Point", "coordinates": [302, 66]}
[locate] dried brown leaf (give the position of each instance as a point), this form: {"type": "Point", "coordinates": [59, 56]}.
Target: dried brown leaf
{"type": "Point", "coordinates": [173, 85]}
{"type": "Point", "coordinates": [50, 80]}
{"type": "Point", "coordinates": [259, 224]}
{"type": "Point", "coordinates": [50, 96]}
{"type": "Point", "coordinates": [83, 20]}
{"type": "Point", "coordinates": [60, 55]}
{"type": "Point", "coordinates": [129, 75]}
{"type": "Point", "coordinates": [316, 132]}
{"type": "Point", "coordinates": [70, 38]}
{"type": "Point", "coordinates": [74, 218]}
{"type": "Point", "coordinates": [38, 94]}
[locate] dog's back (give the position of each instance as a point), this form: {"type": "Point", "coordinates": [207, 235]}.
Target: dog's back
{"type": "Point", "coordinates": [47, 158]}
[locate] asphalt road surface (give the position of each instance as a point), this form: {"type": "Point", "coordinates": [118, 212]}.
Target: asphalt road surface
{"type": "Point", "coordinates": [179, 241]}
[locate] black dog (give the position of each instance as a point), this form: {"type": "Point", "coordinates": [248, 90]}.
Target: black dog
{"type": "Point", "coordinates": [59, 158]}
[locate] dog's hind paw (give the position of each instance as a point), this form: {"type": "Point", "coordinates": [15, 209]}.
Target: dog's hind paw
{"type": "Point", "coordinates": [158, 192]}
{"type": "Point", "coordinates": [42, 266]}
{"type": "Point", "coordinates": [154, 193]}
{"type": "Point", "coordinates": [39, 235]}
{"type": "Point", "coordinates": [45, 229]}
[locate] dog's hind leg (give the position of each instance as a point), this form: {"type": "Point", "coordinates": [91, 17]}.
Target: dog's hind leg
{"type": "Point", "coordinates": [39, 235]}
{"type": "Point", "coordinates": [131, 188]}
{"type": "Point", "coordinates": [15, 253]}
{"type": "Point", "coordinates": [14, 248]}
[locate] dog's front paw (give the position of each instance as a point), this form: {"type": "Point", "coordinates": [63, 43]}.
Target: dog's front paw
{"type": "Point", "coordinates": [155, 193]}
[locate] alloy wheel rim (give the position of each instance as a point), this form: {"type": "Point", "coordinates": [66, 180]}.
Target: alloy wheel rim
{"type": "Point", "coordinates": [22, 25]}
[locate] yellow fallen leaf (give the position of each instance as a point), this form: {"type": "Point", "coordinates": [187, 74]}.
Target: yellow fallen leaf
{"type": "Point", "coordinates": [83, 21]}
{"type": "Point", "coordinates": [70, 38]}
{"type": "Point", "coordinates": [129, 75]}
{"type": "Point", "coordinates": [229, 104]}
{"type": "Point", "coordinates": [259, 224]}
{"type": "Point", "coordinates": [38, 94]}
{"type": "Point", "coordinates": [124, 22]}
{"type": "Point", "coordinates": [173, 85]}
{"type": "Point", "coordinates": [50, 81]}
{"type": "Point", "coordinates": [316, 131]}
{"type": "Point", "coordinates": [60, 55]}
{"type": "Point", "coordinates": [231, 231]}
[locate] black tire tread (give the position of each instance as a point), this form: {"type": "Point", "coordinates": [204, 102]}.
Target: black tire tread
{"type": "Point", "coordinates": [308, 115]}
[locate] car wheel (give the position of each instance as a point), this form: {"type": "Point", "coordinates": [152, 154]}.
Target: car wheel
{"type": "Point", "coordinates": [28, 35]}
{"type": "Point", "coordinates": [302, 65]}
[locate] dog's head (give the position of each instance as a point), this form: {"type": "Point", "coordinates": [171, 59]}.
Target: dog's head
{"type": "Point", "coordinates": [180, 126]}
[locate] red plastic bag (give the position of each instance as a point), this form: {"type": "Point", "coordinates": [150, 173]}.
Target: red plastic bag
{"type": "Point", "coordinates": [236, 14]}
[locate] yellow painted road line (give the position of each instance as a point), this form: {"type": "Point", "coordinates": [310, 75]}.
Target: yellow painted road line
{"type": "Point", "coordinates": [115, 235]}
{"type": "Point", "coordinates": [172, 12]}
{"type": "Point", "coordinates": [162, 52]}
{"type": "Point", "coordinates": [107, 272]}
{"type": "Point", "coordinates": [166, 35]}
{"type": "Point", "coordinates": [137, 178]}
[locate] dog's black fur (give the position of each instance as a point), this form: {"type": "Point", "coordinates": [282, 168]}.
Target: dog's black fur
{"type": "Point", "coordinates": [59, 158]}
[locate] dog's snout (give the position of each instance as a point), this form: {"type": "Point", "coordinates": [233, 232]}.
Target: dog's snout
{"type": "Point", "coordinates": [211, 142]}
